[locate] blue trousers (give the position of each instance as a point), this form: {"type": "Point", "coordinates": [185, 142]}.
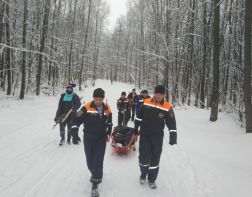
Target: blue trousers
{"type": "Point", "coordinates": [150, 149]}
{"type": "Point", "coordinates": [95, 150]}
{"type": "Point", "coordinates": [62, 130]}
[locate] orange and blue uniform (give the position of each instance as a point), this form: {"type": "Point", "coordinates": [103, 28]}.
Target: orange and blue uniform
{"type": "Point", "coordinates": [152, 118]}
{"type": "Point", "coordinates": [97, 126]}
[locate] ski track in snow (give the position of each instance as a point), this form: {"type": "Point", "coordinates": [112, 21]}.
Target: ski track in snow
{"type": "Point", "coordinates": [33, 165]}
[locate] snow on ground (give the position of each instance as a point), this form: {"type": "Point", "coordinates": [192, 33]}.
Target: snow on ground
{"type": "Point", "coordinates": [210, 160]}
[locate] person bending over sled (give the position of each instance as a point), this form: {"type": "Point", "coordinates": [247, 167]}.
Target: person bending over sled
{"type": "Point", "coordinates": [68, 105]}
{"type": "Point", "coordinates": [152, 117]}
{"type": "Point", "coordinates": [97, 119]}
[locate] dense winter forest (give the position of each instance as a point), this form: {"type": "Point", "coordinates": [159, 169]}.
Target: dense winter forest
{"type": "Point", "coordinates": [199, 49]}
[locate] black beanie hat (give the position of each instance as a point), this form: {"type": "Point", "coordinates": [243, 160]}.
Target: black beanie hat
{"type": "Point", "coordinates": [145, 91]}
{"type": "Point", "coordinates": [123, 94]}
{"type": "Point", "coordinates": [160, 89]}
{"type": "Point", "coordinates": [99, 93]}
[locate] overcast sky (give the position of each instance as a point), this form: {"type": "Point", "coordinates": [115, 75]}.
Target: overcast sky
{"type": "Point", "coordinates": [117, 8]}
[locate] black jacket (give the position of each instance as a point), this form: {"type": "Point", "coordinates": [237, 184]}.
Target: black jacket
{"type": "Point", "coordinates": [65, 106]}
{"type": "Point", "coordinates": [132, 98]}
{"type": "Point", "coordinates": [123, 104]}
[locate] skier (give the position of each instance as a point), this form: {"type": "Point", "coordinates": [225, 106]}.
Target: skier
{"type": "Point", "coordinates": [144, 95]}
{"type": "Point", "coordinates": [68, 105]}
{"type": "Point", "coordinates": [123, 107]}
{"type": "Point", "coordinates": [152, 117]}
{"type": "Point", "coordinates": [132, 97]}
{"type": "Point", "coordinates": [97, 119]}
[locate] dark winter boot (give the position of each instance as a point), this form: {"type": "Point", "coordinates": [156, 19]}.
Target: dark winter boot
{"type": "Point", "coordinates": [62, 141]}
{"type": "Point", "coordinates": [152, 185]}
{"type": "Point", "coordinates": [142, 179]}
{"type": "Point", "coordinates": [94, 192]}
{"type": "Point", "coordinates": [68, 141]}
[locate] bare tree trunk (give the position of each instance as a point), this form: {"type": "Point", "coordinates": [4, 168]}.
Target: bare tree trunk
{"type": "Point", "coordinates": [142, 59]}
{"type": "Point", "coordinates": [248, 65]}
{"type": "Point", "coordinates": [85, 43]}
{"type": "Point", "coordinates": [167, 32]}
{"type": "Point", "coordinates": [118, 52]}
{"type": "Point", "coordinates": [71, 43]}
{"type": "Point", "coordinates": [8, 50]}
{"type": "Point", "coordinates": [216, 54]}
{"type": "Point", "coordinates": [42, 44]}
{"type": "Point", "coordinates": [22, 91]}
{"type": "Point", "coordinates": [52, 69]}
{"type": "Point", "coordinates": [2, 10]}
{"type": "Point", "coordinates": [96, 38]}
{"type": "Point", "coordinates": [191, 64]}
{"type": "Point", "coordinates": [157, 30]}
{"type": "Point", "coordinates": [203, 75]}
{"type": "Point", "coordinates": [30, 57]}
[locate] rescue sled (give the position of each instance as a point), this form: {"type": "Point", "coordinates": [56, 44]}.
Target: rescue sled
{"type": "Point", "coordinates": [123, 139]}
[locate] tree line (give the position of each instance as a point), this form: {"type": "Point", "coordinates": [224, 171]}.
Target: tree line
{"type": "Point", "coordinates": [199, 49]}
{"type": "Point", "coordinates": [47, 43]}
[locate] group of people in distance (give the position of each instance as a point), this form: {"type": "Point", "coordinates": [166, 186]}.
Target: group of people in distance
{"type": "Point", "coordinates": [130, 105]}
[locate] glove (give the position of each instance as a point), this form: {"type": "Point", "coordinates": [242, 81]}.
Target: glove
{"type": "Point", "coordinates": [56, 119]}
{"type": "Point", "coordinates": [74, 134]}
{"type": "Point", "coordinates": [173, 138]}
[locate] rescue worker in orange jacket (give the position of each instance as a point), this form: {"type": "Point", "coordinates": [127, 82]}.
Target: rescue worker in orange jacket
{"type": "Point", "coordinates": [123, 107]}
{"type": "Point", "coordinates": [152, 117]}
{"type": "Point", "coordinates": [97, 119]}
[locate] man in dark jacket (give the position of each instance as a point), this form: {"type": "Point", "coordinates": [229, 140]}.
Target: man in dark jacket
{"type": "Point", "coordinates": [68, 104]}
{"type": "Point", "coordinates": [144, 95]}
{"type": "Point", "coordinates": [152, 117]}
{"type": "Point", "coordinates": [132, 97]}
{"type": "Point", "coordinates": [123, 107]}
{"type": "Point", "coordinates": [97, 119]}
